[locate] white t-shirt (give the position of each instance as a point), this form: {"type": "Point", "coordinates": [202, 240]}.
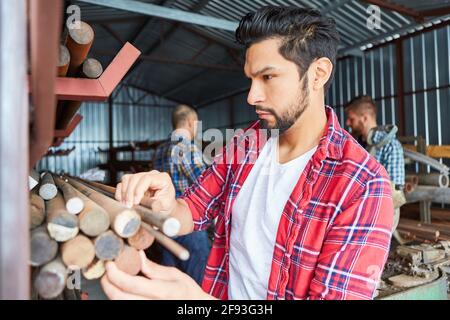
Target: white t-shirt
{"type": "Point", "coordinates": [255, 218]}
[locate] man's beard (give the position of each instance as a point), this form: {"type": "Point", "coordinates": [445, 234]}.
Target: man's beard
{"type": "Point", "coordinates": [293, 113]}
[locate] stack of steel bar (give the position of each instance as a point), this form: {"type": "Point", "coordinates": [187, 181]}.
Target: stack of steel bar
{"type": "Point", "coordinates": [74, 62]}
{"type": "Point", "coordinates": [416, 230]}
{"type": "Point", "coordinates": [77, 225]}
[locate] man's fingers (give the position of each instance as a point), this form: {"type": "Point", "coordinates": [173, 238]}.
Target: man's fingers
{"type": "Point", "coordinates": [158, 272]}
{"type": "Point", "coordinates": [150, 180]}
{"type": "Point", "coordinates": [118, 194]}
{"type": "Point", "coordinates": [132, 183]}
{"type": "Point", "coordinates": [115, 293]}
{"type": "Point", "coordinates": [139, 286]}
{"type": "Point", "coordinates": [154, 204]}
{"type": "Point", "coordinates": [124, 188]}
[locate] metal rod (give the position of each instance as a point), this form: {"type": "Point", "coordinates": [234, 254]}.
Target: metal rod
{"type": "Point", "coordinates": [43, 247]}
{"type": "Point", "coordinates": [108, 245]}
{"type": "Point", "coordinates": [78, 252]}
{"type": "Point", "coordinates": [37, 210]}
{"type": "Point", "coordinates": [177, 250]}
{"type": "Point", "coordinates": [51, 279]}
{"type": "Point", "coordinates": [61, 225]}
{"type": "Point", "coordinates": [421, 158]}
{"type": "Point", "coordinates": [74, 204]}
{"type": "Point", "coordinates": [167, 13]}
{"type": "Point", "coordinates": [434, 179]}
{"type": "Point", "coordinates": [429, 193]}
{"type": "Point", "coordinates": [128, 260]}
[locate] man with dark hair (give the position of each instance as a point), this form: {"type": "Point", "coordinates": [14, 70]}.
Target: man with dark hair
{"type": "Point", "coordinates": [305, 214]}
{"type": "Point", "coordinates": [182, 159]}
{"type": "Point", "coordinates": [381, 143]}
{"type": "Point", "coordinates": [361, 111]}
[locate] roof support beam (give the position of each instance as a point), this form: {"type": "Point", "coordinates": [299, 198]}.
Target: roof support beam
{"type": "Point", "coordinates": [191, 62]}
{"type": "Point", "coordinates": [166, 13]}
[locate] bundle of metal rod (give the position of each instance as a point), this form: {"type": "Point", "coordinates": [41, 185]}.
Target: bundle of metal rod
{"type": "Point", "coordinates": [78, 42]}
{"type": "Point", "coordinates": [145, 202]}
{"type": "Point", "coordinates": [86, 240]}
{"type": "Point", "coordinates": [149, 233]}
{"type": "Point", "coordinates": [170, 226]}
{"type": "Point", "coordinates": [124, 221]}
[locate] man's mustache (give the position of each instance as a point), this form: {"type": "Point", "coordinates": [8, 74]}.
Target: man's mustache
{"type": "Point", "coordinates": [263, 109]}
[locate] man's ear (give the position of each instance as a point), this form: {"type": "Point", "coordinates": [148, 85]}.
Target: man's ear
{"type": "Point", "coordinates": [322, 68]}
{"type": "Point", "coordinates": [192, 123]}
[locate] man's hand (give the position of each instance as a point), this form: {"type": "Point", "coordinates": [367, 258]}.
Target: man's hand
{"type": "Point", "coordinates": [156, 185]}
{"type": "Point", "coordinates": [160, 282]}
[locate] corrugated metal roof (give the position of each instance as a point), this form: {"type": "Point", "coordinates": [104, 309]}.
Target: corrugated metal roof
{"type": "Point", "coordinates": [186, 62]}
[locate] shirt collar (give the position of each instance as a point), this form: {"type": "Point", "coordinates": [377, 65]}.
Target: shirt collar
{"type": "Point", "coordinates": [331, 143]}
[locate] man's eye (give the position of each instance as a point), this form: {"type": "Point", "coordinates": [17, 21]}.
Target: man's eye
{"type": "Point", "coordinates": [267, 77]}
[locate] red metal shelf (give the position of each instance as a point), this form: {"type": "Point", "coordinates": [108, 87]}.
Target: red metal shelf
{"type": "Point", "coordinates": [79, 89]}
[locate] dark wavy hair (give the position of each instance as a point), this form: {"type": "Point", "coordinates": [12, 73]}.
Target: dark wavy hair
{"type": "Point", "coordinates": [306, 34]}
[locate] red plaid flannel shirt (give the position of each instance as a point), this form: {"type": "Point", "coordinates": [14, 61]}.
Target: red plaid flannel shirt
{"type": "Point", "coordinates": [334, 233]}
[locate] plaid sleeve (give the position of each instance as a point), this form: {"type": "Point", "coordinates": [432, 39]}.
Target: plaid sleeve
{"type": "Point", "coordinates": [356, 247]}
{"type": "Point", "coordinates": [394, 162]}
{"type": "Point", "coordinates": [192, 164]}
{"type": "Point", "coordinates": [205, 197]}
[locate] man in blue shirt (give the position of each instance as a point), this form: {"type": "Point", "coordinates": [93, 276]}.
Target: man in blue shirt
{"type": "Point", "coordinates": [381, 142]}
{"type": "Point", "coordinates": [182, 159]}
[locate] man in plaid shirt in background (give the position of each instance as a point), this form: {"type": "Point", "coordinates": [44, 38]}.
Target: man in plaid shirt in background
{"type": "Point", "coordinates": [183, 160]}
{"type": "Point", "coordinates": [304, 214]}
{"type": "Point", "coordinates": [362, 119]}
